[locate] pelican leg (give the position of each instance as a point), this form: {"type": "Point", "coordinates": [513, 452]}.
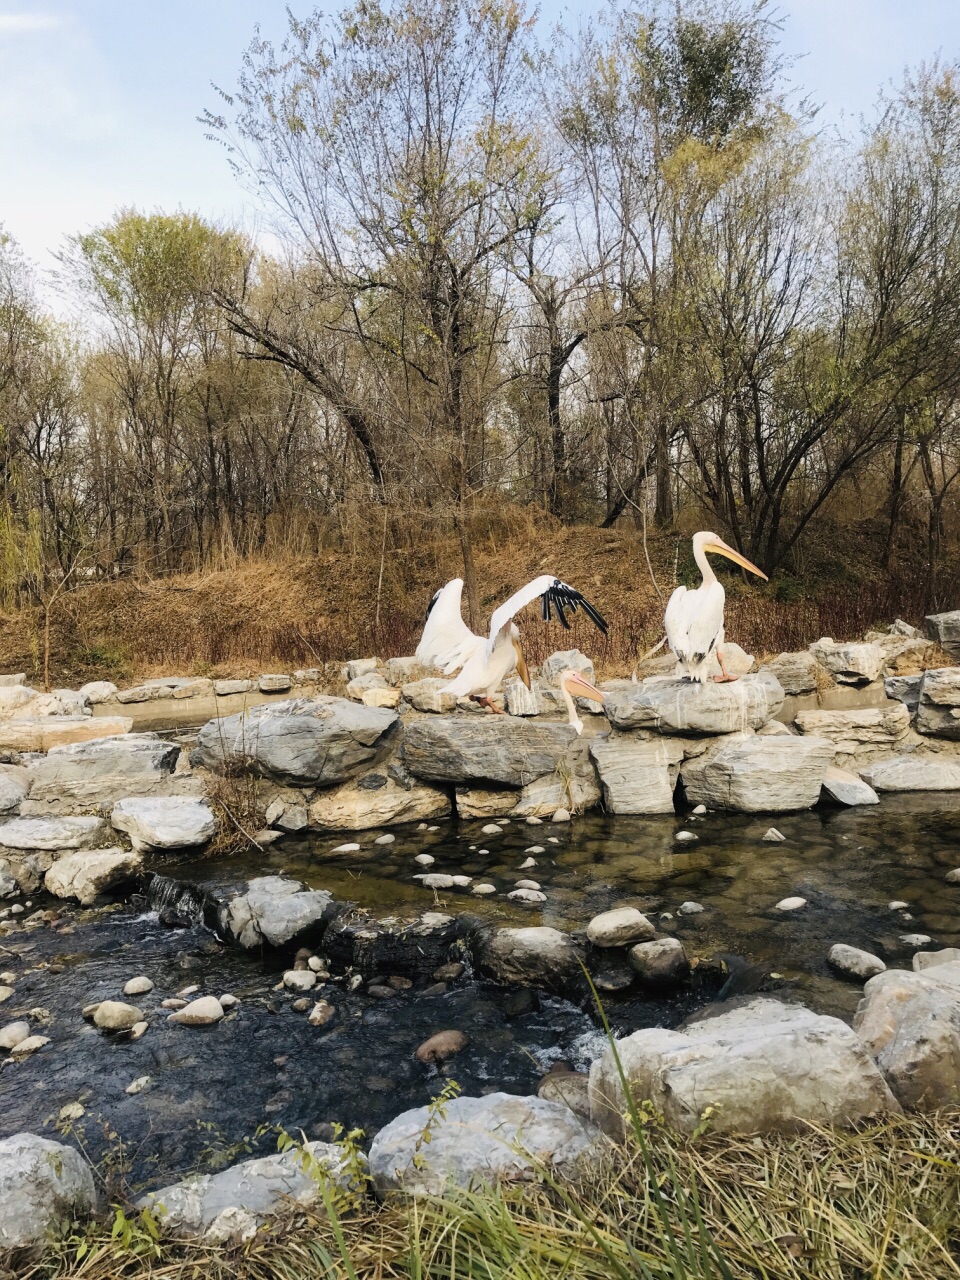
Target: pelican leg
{"type": "Point", "coordinates": [484, 701]}
{"type": "Point", "coordinates": [726, 676]}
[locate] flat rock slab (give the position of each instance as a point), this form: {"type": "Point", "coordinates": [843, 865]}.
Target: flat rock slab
{"type": "Point", "coordinates": [86, 875]}
{"type": "Point", "coordinates": [910, 1022]}
{"type": "Point", "coordinates": [847, 788]}
{"type": "Point", "coordinates": [938, 703]}
{"type": "Point", "coordinates": [688, 707]}
{"type": "Point", "coordinates": [229, 1207]}
{"type": "Point", "coordinates": [377, 800]}
{"type": "Point", "coordinates": [851, 730]}
{"type": "Point", "coordinates": [42, 733]}
{"type": "Point", "coordinates": [275, 910]}
{"type": "Point", "coordinates": [759, 774]}
{"type": "Point", "coordinates": [636, 773]}
{"type": "Point", "coordinates": [42, 1185]}
{"type": "Point", "coordinates": [764, 1065]}
{"type": "Point", "coordinates": [479, 1141]}
{"type": "Point", "coordinates": [317, 741]}
{"type": "Point", "coordinates": [90, 775]}
{"type": "Point", "coordinates": [913, 773]}
{"type": "Point", "coordinates": [51, 834]}
{"type": "Point", "coordinates": [164, 822]}
{"type": "Point", "coordinates": [488, 749]}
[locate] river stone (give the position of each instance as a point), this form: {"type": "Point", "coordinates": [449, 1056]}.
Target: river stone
{"type": "Point", "coordinates": [759, 775]}
{"type": "Point", "coordinates": [50, 834]}
{"type": "Point", "coordinates": [930, 959]}
{"type": "Point", "coordinates": [539, 955]}
{"type": "Point", "coordinates": [164, 822]}
{"type": "Point", "coordinates": [200, 1013]}
{"type": "Point", "coordinates": [846, 788]}
{"type": "Point", "coordinates": [138, 986]}
{"type": "Point", "coordinates": [28, 1046]}
{"type": "Point", "coordinates": [299, 979]}
{"type": "Point", "coordinates": [43, 1185]}
{"type": "Point", "coordinates": [619, 928]}
{"type": "Point", "coordinates": [304, 741]}
{"type": "Point", "coordinates": [13, 1033]}
{"type": "Point", "coordinates": [474, 1141]}
{"type": "Point", "coordinates": [494, 750]}
{"type": "Point", "coordinates": [425, 695]}
{"type": "Point", "coordinates": [910, 1022]}
{"type": "Point", "coordinates": [938, 708]}
{"type": "Point", "coordinates": [275, 910]}
{"type": "Point", "coordinates": [14, 784]}
{"type": "Point", "coordinates": [762, 1063]}
{"type": "Point", "coordinates": [227, 1208]}
{"type": "Point", "coordinates": [636, 774]}
{"type": "Point", "coordinates": [87, 874]}
{"type": "Point", "coordinates": [849, 663]}
{"type": "Point", "coordinates": [854, 963]}
{"type": "Point", "coordinates": [688, 707]}
{"type": "Point", "coordinates": [851, 730]}
{"type": "Point", "coordinates": [660, 962]}
{"type": "Point", "coordinates": [567, 660]}
{"type": "Point", "coordinates": [796, 672]}
{"type": "Point", "coordinates": [441, 1046]}
{"type": "Point", "coordinates": [913, 773]}
{"type": "Point", "coordinates": [94, 774]}
{"type": "Point", "coordinates": [114, 1015]}
{"type": "Point", "coordinates": [377, 800]}
{"type": "Point", "coordinates": [945, 629]}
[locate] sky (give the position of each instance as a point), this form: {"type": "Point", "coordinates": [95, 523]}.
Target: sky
{"type": "Point", "coordinates": [99, 99]}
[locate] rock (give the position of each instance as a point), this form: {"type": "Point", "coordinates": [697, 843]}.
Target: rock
{"type": "Point", "coordinates": [138, 986]}
{"type": "Point", "coordinates": [573, 785]}
{"type": "Point", "coordinates": [636, 774]}
{"type": "Point", "coordinates": [276, 683]}
{"type": "Point", "coordinates": [50, 834]}
{"type": "Point", "coordinates": [687, 707]}
{"type": "Point", "coordinates": [938, 709]}
{"type": "Point", "coordinates": [910, 1022]}
{"type": "Point", "coordinates": [13, 1033]}
{"type": "Point", "coordinates": [378, 799]}
{"type": "Point", "coordinates": [293, 818]}
{"type": "Point", "coordinates": [43, 1185]}
{"type": "Point", "coordinates": [689, 909]}
{"type": "Point", "coordinates": [94, 774]}
{"type": "Point", "coordinates": [435, 880]}
{"type": "Point", "coordinates": [897, 905]}
{"type": "Point", "coordinates": [389, 698]}
{"type": "Point", "coordinates": [538, 956]}
{"type": "Point", "coordinates": [228, 1208]}
{"type": "Point", "coordinates": [854, 963]}
{"type": "Point", "coordinates": [425, 695]}
{"type": "Point", "coordinates": [275, 910]}
{"type": "Point", "coordinates": [138, 1085]}
{"type": "Point", "coordinates": [527, 895]}
{"type": "Point", "coordinates": [361, 667]}
{"type": "Point", "coordinates": [113, 1015]}
{"type": "Point", "coordinates": [164, 822]}
{"type": "Point", "coordinates": [19, 677]}
{"type": "Point", "coordinates": [491, 829]}
{"type": "Point", "coordinates": [912, 773]}
{"type": "Point", "coordinates": [28, 1046]}
{"type": "Point", "coordinates": [915, 939]}
{"type": "Point", "coordinates": [846, 788]}
{"type": "Point", "coordinates": [560, 815]}
{"type": "Point", "coordinates": [849, 663]}
{"type": "Point", "coordinates": [773, 836]}
{"type": "Point", "coordinates": [484, 750]}
{"type": "Point", "coordinates": [477, 1140]}
{"type": "Point", "coordinates": [945, 629]}
{"type": "Point", "coordinates": [440, 1047]}
{"type": "Point", "coordinates": [385, 839]}
{"type": "Point", "coordinates": [425, 859]}
{"type": "Point", "coordinates": [684, 837]}
{"type": "Point", "coordinates": [320, 741]}
{"type": "Point", "coordinates": [43, 733]}
{"type": "Point", "coordinates": [400, 671]}
{"type": "Point", "coordinates": [930, 959]}
{"type": "Point", "coordinates": [349, 847]}
{"type": "Point", "coordinates": [321, 1013]}
{"type": "Point", "coordinates": [567, 660]}
{"type": "Point", "coordinates": [202, 1012]}
{"type": "Point", "coordinates": [139, 1030]}
{"type": "Point", "coordinates": [521, 701]}
{"type": "Point", "coordinates": [619, 928]}
{"type": "Point", "coordinates": [14, 783]}
{"type": "Point", "coordinates": [299, 979]}
{"type": "Point", "coordinates": [527, 884]}
{"type": "Point", "coordinates": [86, 875]}
{"type": "Point", "coordinates": [759, 775]}
{"type": "Point", "coordinates": [852, 730]}
{"type": "Point", "coordinates": [797, 673]}
{"type": "Point", "coordinates": [483, 890]}
{"type": "Point", "coordinates": [905, 689]}
{"type": "Point", "coordinates": [773, 729]}
{"type": "Point", "coordinates": [790, 904]}
{"type": "Point", "coordinates": [229, 688]}
{"type": "Point", "coordinates": [5, 993]}
{"type": "Point", "coordinates": [484, 802]}
{"type": "Point", "coordinates": [659, 962]}
{"type": "Point", "coordinates": [763, 1064]}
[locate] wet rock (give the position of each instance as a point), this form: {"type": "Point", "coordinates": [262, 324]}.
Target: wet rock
{"type": "Point", "coordinates": [790, 904]}
{"type": "Point", "coordinates": [484, 890]}
{"type": "Point", "coordinates": [609, 972]}
{"type": "Point", "coordinates": [29, 1046]}
{"type": "Point", "coordinates": [228, 1208]}
{"type": "Point", "coordinates": [114, 1015]}
{"type": "Point", "coordinates": [915, 939]}
{"type": "Point", "coordinates": [321, 741]}
{"type": "Point", "coordinates": [636, 774]}
{"type": "Point", "coordinates": [202, 1012]}
{"type": "Point", "coordinates": [660, 962]}
{"type": "Point", "coordinates": [910, 1022]}
{"type": "Point", "coordinates": [480, 750]}
{"type": "Point", "coordinates": [89, 775]}
{"type": "Point", "coordinates": [440, 1047]}
{"type": "Point", "coordinates": [299, 979]}
{"type": "Point", "coordinates": [385, 839]}
{"type": "Point", "coordinates": [477, 1140]}
{"type": "Point", "coordinates": [448, 972]}
{"type": "Point", "coordinates": [687, 707]}
{"type": "Point", "coordinates": [796, 672]}
{"type": "Point", "coordinates": [86, 875]}
{"type": "Point", "coordinates": [849, 663]}
{"type": "Point", "coordinates": [164, 822]}
{"type": "Point", "coordinates": [938, 709]}
{"type": "Point", "coordinates": [619, 928]}
{"type": "Point", "coordinates": [394, 945]}
{"type": "Point", "coordinates": [953, 877]}
{"type": "Point", "coordinates": [139, 1085]}
{"type": "Point", "coordinates": [377, 799]}
{"type": "Point", "coordinates": [945, 629]}
{"type": "Point", "coordinates": [228, 1001]}
{"type": "Point", "coordinates": [527, 895]}
{"type": "Point", "coordinates": [847, 788]}
{"type": "Point", "coordinates": [759, 775]}
{"type": "Point", "coordinates": [689, 909]}
{"type": "Point", "coordinates": [764, 1065]}
{"type": "Point", "coordinates": [13, 1034]}
{"type": "Point", "coordinates": [912, 773]}
{"type": "Point", "coordinates": [380, 991]}
{"type": "Point", "coordinates": [854, 963]}
{"type": "Point", "coordinates": [275, 910]}
{"type": "Point", "coordinates": [43, 1185]}
{"type": "Point", "coordinates": [138, 986]}
{"type": "Point", "coordinates": [684, 837]}
{"type": "Point", "coordinates": [539, 955]}
{"type": "Point", "coordinates": [321, 1013]}
{"type": "Point", "coordinates": [773, 836]}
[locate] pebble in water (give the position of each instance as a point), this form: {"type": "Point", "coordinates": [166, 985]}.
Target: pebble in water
{"type": "Point", "coordinates": [441, 1046]}
{"type": "Point", "coordinates": [138, 1085]}
{"type": "Point", "coordinates": [139, 1030]}
{"type": "Point", "coordinates": [173, 1002]}
{"type": "Point", "coordinates": [790, 904]}
{"type": "Point", "coordinates": [534, 822]}
{"type": "Point", "coordinates": [915, 939]}
{"type": "Point", "coordinates": [138, 987]}
{"type": "Point", "coordinates": [113, 1015]}
{"type": "Point", "coordinates": [526, 884]}
{"type": "Point", "coordinates": [425, 859]}
{"type": "Point", "coordinates": [301, 1005]}
{"type": "Point", "coordinates": [483, 851]}
{"type": "Point", "coordinates": [700, 810]}
{"type": "Point", "coordinates": [188, 991]}
{"type": "Point", "coordinates": [773, 835]}
{"type": "Point", "coordinates": [199, 1013]}
{"type": "Point", "coordinates": [228, 1001]}
{"type": "Point", "coordinates": [553, 840]}
{"type": "Point", "coordinates": [481, 890]}
{"type": "Point", "coordinates": [527, 864]}
{"type": "Point", "coordinates": [684, 837]}
{"type": "Point", "coordinates": [953, 877]}
{"type": "Point", "coordinates": [561, 815]}
{"type": "Point", "coordinates": [349, 847]}
{"type": "Point", "coordinates": [321, 1013]}
{"type": "Point", "coordinates": [527, 895]}
{"type": "Point", "coordinates": [897, 905]}
{"type": "Point", "coordinates": [319, 967]}
{"type": "Point", "coordinates": [433, 828]}
{"type": "Point", "coordinates": [436, 880]}
{"type": "Point", "coordinates": [462, 882]}
{"type": "Point", "coordinates": [491, 829]}
{"type": "Point", "coordinates": [535, 848]}
{"type": "Point", "coordinates": [689, 909]}
{"type": "Point", "coordinates": [852, 962]}
{"type": "Point", "coordinates": [299, 979]}
{"type": "Point", "coordinates": [13, 1033]}
{"type": "Point", "coordinates": [387, 838]}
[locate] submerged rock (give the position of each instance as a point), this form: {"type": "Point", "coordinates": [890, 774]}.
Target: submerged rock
{"type": "Point", "coordinates": [275, 910]}
{"type": "Point", "coordinates": [441, 1046]}
{"type": "Point", "coordinates": [164, 822]}
{"type": "Point", "coordinates": [687, 707]}
{"type": "Point", "coordinates": [43, 1185]}
{"type": "Point", "coordinates": [759, 775]}
{"type": "Point", "coordinates": [86, 875]}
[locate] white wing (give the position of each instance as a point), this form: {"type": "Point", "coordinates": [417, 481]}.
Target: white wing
{"type": "Point", "coordinates": [675, 622]}
{"type": "Point", "coordinates": [447, 642]}
{"type": "Point", "coordinates": [556, 594]}
{"type": "Point", "coordinates": [694, 622]}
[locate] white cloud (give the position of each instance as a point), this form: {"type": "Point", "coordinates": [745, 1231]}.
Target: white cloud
{"type": "Point", "coordinates": [17, 23]}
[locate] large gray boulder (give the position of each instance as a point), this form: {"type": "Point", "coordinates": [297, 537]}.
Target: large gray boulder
{"type": "Point", "coordinates": [477, 1141]}
{"type": "Point", "coordinates": [229, 1207]}
{"type": "Point", "coordinates": [913, 773]}
{"type": "Point", "coordinates": [94, 775]}
{"type": "Point", "coordinates": [763, 1065]}
{"type": "Point", "coordinates": [849, 663]}
{"type": "Point", "coordinates": [566, 660]}
{"type": "Point", "coordinates": [495, 750]}
{"type": "Point", "coordinates": [945, 629]}
{"type": "Point", "coordinates": [164, 822]}
{"type": "Point", "coordinates": [317, 741]}
{"type": "Point", "coordinates": [905, 689]}
{"type": "Point", "coordinates": [50, 835]}
{"type": "Point", "coordinates": [687, 707]}
{"type": "Point", "coordinates": [753, 774]}
{"type": "Point", "coordinates": [381, 798]}
{"type": "Point", "coordinates": [637, 774]}
{"type": "Point", "coordinates": [43, 1186]}
{"type": "Point", "coordinates": [538, 955]}
{"type": "Point", "coordinates": [851, 731]}
{"type": "Point", "coordinates": [275, 910]}
{"type": "Point", "coordinates": [910, 1022]}
{"type": "Point", "coordinates": [938, 704]}
{"type": "Point", "coordinates": [797, 673]}
{"type": "Point", "coordinates": [573, 785]}
{"type": "Point", "coordinates": [87, 874]}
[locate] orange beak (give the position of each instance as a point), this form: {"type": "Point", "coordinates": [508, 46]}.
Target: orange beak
{"type": "Point", "coordinates": [522, 671]}
{"type": "Point", "coordinates": [721, 549]}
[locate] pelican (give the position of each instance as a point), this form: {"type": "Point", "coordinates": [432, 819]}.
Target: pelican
{"type": "Point", "coordinates": [484, 662]}
{"type": "Point", "coordinates": [694, 619]}
{"type": "Point", "coordinates": [573, 684]}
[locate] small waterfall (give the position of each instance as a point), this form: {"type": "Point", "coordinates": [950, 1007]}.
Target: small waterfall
{"type": "Point", "coordinates": [180, 904]}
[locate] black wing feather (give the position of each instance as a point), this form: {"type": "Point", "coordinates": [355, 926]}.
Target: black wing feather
{"type": "Point", "coordinates": [561, 595]}
{"type": "Point", "coordinates": [436, 596]}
